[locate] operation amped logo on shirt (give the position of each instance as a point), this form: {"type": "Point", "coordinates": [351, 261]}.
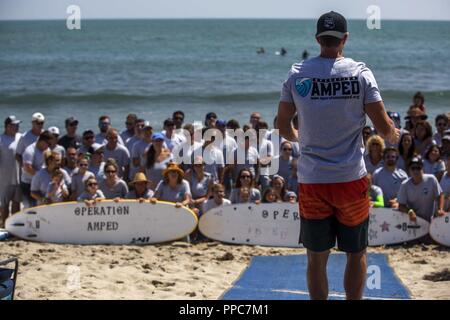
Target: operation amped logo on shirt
{"type": "Point", "coordinates": [332, 88]}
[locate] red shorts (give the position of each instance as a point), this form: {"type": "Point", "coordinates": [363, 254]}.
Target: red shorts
{"type": "Point", "coordinates": [349, 201]}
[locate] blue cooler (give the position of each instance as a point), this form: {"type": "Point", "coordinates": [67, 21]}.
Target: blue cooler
{"type": "Point", "coordinates": [8, 279]}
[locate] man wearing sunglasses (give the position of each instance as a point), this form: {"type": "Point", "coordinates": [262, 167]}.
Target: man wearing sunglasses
{"type": "Point", "coordinates": [104, 124]}
{"type": "Point", "coordinates": [130, 124]}
{"type": "Point", "coordinates": [9, 169]}
{"type": "Point", "coordinates": [418, 195]}
{"type": "Point", "coordinates": [31, 136]}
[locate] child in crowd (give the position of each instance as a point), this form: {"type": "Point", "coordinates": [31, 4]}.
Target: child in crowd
{"type": "Point", "coordinates": [217, 200]}
{"type": "Point", "coordinates": [91, 193]}
{"type": "Point", "coordinates": [270, 196]}
{"type": "Point", "coordinates": [57, 190]}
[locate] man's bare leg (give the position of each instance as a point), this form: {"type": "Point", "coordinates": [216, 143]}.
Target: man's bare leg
{"type": "Point", "coordinates": [317, 274]}
{"type": "Point", "coordinates": [355, 275]}
{"type": "Point", "coordinates": [3, 215]}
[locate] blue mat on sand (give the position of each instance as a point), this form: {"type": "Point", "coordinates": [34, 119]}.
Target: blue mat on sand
{"type": "Point", "coordinates": [284, 278]}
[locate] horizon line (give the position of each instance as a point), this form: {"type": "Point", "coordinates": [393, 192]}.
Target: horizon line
{"type": "Point", "coordinates": [214, 18]}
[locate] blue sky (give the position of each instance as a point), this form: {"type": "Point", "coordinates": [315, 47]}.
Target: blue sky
{"type": "Point", "coordinates": [353, 9]}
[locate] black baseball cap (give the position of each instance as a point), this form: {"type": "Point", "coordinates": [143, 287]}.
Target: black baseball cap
{"type": "Point", "coordinates": [70, 121]}
{"type": "Point", "coordinates": [416, 161]}
{"type": "Point", "coordinates": [331, 24]}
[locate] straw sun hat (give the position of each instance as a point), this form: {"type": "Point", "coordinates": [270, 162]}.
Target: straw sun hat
{"type": "Point", "coordinates": [173, 167]}
{"type": "Point", "coordinates": [139, 177]}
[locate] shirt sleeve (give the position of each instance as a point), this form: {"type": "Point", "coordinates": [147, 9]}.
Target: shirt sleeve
{"type": "Point", "coordinates": [286, 93]}
{"type": "Point", "coordinates": [369, 86]}
{"type": "Point", "coordinates": [436, 187]}
{"type": "Point", "coordinates": [35, 183]}
{"type": "Point", "coordinates": [27, 156]}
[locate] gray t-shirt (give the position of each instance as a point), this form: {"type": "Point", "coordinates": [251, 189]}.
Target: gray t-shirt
{"type": "Point", "coordinates": [32, 155]}
{"type": "Point", "coordinates": [9, 167]}
{"type": "Point", "coordinates": [284, 167]}
{"type": "Point", "coordinates": [330, 95]}
{"type": "Point", "coordinates": [200, 188]}
{"type": "Point", "coordinates": [445, 186]}
{"type": "Point", "coordinates": [87, 196]}
{"type": "Point", "coordinates": [422, 197]}
{"type": "Point", "coordinates": [99, 171]}
{"type": "Point", "coordinates": [120, 189]}
{"type": "Point", "coordinates": [433, 168]}
{"type": "Point", "coordinates": [78, 182]}
{"type": "Point", "coordinates": [164, 192]}
{"type": "Point", "coordinates": [27, 139]}
{"type": "Point", "coordinates": [389, 182]}
{"type": "Point", "coordinates": [370, 167]}
{"type": "Point", "coordinates": [121, 155]}
{"type": "Point", "coordinates": [43, 178]}
{"type": "Point", "coordinates": [211, 204]}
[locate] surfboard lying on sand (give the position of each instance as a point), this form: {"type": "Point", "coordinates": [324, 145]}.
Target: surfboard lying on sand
{"type": "Point", "coordinates": [125, 222]}
{"type": "Point", "coordinates": [266, 224]}
{"type": "Point", "coordinates": [440, 229]}
{"type": "Point", "coordinates": [388, 226]}
{"type": "Point", "coordinates": [278, 224]}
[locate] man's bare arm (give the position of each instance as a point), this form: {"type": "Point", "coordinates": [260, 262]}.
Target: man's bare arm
{"type": "Point", "coordinates": [383, 124]}
{"type": "Point", "coordinates": [286, 112]}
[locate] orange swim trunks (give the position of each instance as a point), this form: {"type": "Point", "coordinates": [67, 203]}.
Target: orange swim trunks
{"type": "Point", "coordinates": [348, 201]}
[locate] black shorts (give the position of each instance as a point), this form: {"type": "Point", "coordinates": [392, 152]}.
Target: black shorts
{"type": "Point", "coordinates": [320, 235]}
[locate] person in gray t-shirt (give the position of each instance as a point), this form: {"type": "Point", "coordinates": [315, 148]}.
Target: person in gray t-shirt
{"type": "Point", "coordinates": [79, 178]}
{"type": "Point", "coordinates": [118, 152]}
{"type": "Point", "coordinates": [173, 188]}
{"type": "Point", "coordinates": [31, 136]}
{"type": "Point", "coordinates": [9, 169]}
{"type": "Point", "coordinates": [389, 178]}
{"type": "Point", "coordinates": [112, 186]}
{"type": "Point", "coordinates": [141, 190]}
{"type": "Point", "coordinates": [418, 194]}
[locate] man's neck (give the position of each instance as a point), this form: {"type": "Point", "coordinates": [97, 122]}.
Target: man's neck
{"type": "Point", "coordinates": [36, 132]}
{"type": "Point", "coordinates": [417, 180]}
{"type": "Point", "coordinates": [331, 53]}
{"type": "Point", "coordinates": [391, 168]}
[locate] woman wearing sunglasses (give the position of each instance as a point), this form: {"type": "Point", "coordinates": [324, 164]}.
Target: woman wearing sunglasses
{"type": "Point", "coordinates": [112, 186]}
{"type": "Point", "coordinates": [245, 180]}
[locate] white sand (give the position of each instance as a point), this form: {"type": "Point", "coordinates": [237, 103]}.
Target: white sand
{"type": "Point", "coordinates": [178, 270]}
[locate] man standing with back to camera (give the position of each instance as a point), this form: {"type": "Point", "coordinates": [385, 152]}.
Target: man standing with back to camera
{"type": "Point", "coordinates": [332, 96]}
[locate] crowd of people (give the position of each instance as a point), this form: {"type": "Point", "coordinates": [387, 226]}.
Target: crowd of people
{"type": "Point", "coordinates": [41, 166]}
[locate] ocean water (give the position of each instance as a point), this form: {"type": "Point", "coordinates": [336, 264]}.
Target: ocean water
{"type": "Point", "coordinates": [154, 67]}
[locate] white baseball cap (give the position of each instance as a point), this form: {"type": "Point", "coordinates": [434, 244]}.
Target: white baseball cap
{"type": "Point", "coordinates": [38, 117]}
{"type": "Point", "coordinates": [54, 130]}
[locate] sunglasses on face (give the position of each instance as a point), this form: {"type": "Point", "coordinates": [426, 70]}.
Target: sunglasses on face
{"type": "Point", "coordinates": [73, 125]}
{"type": "Point", "coordinates": [92, 184]}
{"type": "Point", "coordinates": [129, 123]}
{"type": "Point", "coordinates": [287, 149]}
{"type": "Point", "coordinates": [442, 124]}
{"type": "Point", "coordinates": [110, 171]}
{"type": "Point", "coordinates": [88, 138]}
{"type": "Point", "coordinates": [246, 177]}
{"type": "Point", "coordinates": [39, 123]}
{"type": "Point", "coordinates": [178, 118]}
{"type": "Point", "coordinates": [83, 165]}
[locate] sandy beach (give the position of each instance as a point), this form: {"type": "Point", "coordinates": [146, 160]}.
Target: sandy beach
{"type": "Point", "coordinates": [180, 270]}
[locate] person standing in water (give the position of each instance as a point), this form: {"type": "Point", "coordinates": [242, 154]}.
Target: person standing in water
{"type": "Point", "coordinates": [334, 92]}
